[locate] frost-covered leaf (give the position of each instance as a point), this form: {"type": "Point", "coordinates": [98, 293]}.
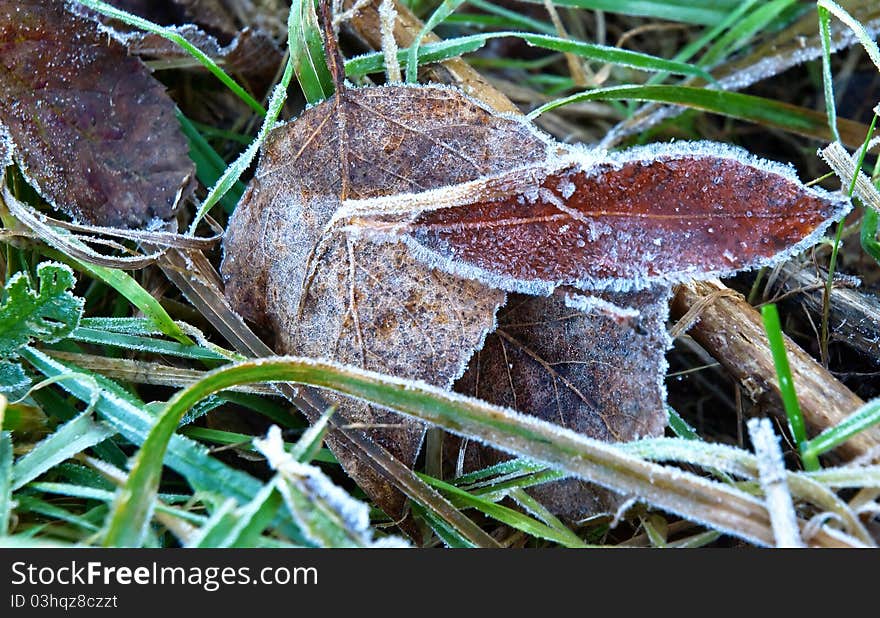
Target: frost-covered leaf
{"type": "Point", "coordinates": [247, 52]}
{"type": "Point", "coordinates": [47, 312]}
{"type": "Point", "coordinates": [654, 215]}
{"type": "Point", "coordinates": [350, 299]}
{"type": "Point", "coordinates": [14, 382]}
{"type": "Point", "coordinates": [594, 365]}
{"type": "Point", "coordinates": [92, 130]}
{"type": "Point", "coordinates": [326, 514]}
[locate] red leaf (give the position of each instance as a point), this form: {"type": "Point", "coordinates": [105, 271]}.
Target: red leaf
{"type": "Point", "coordinates": [645, 216]}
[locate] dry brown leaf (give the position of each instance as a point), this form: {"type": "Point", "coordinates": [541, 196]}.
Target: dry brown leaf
{"type": "Point", "coordinates": [576, 362]}
{"type": "Point", "coordinates": [369, 304]}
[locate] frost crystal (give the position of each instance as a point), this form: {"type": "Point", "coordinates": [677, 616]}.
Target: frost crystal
{"type": "Point", "coordinates": [353, 515]}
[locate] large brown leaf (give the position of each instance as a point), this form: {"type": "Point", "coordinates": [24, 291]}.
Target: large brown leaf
{"type": "Point", "coordinates": [573, 361]}
{"type": "Point", "coordinates": [627, 221]}
{"type": "Point", "coordinates": [91, 129]}
{"type": "Point", "coordinates": [327, 294]}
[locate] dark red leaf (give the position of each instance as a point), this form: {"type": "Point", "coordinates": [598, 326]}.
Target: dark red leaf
{"type": "Point", "coordinates": [627, 221]}
{"type": "Point", "coordinates": [91, 129]}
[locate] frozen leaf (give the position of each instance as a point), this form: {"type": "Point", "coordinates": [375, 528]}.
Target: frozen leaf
{"type": "Point", "coordinates": [14, 382]}
{"type": "Point", "coordinates": [326, 294]}
{"type": "Point", "coordinates": [654, 215]}
{"type": "Point", "coordinates": [594, 365]}
{"type": "Point", "coordinates": [91, 129]}
{"type": "Point", "coordinates": [48, 311]}
{"type": "Point", "coordinates": [251, 54]}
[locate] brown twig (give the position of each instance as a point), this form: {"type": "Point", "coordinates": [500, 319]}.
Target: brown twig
{"type": "Point", "coordinates": [331, 46]}
{"type": "Point", "coordinates": [731, 330]}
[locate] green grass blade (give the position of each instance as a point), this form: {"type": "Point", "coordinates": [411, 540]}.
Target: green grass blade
{"type": "Point", "coordinates": [5, 480]}
{"type": "Point", "coordinates": [686, 11]}
{"type": "Point", "coordinates": [307, 447]}
{"type": "Point", "coordinates": [511, 19]}
{"type": "Point", "coordinates": [131, 290]}
{"type": "Point", "coordinates": [744, 30]}
{"type": "Point", "coordinates": [537, 509]}
{"type": "Point", "coordinates": [835, 249]}
{"type": "Point", "coordinates": [71, 438]}
{"type": "Point", "coordinates": [450, 48]}
{"type": "Point", "coordinates": [827, 80]}
{"type": "Point", "coordinates": [786, 385]}
{"type": "Point", "coordinates": [30, 504]}
{"type": "Point", "coordinates": [853, 24]}
{"type": "Point", "coordinates": [243, 441]}
{"type": "Point", "coordinates": [762, 111]}
{"type": "Point", "coordinates": [209, 164]}
{"type": "Point", "coordinates": [865, 417]}
{"type": "Point", "coordinates": [722, 507]}
{"type": "Point", "coordinates": [505, 468]}
{"type": "Point", "coordinates": [93, 493]}
{"type": "Point", "coordinates": [144, 344]}
{"type": "Point", "coordinates": [307, 52]}
{"type": "Point", "coordinates": [254, 518]}
{"type": "Point", "coordinates": [212, 533]}
{"type": "Point", "coordinates": [244, 526]}
{"type": "Point", "coordinates": [446, 8]}
{"type": "Point", "coordinates": [231, 176]}
{"type": "Point", "coordinates": [450, 537]}
{"type": "Point", "coordinates": [186, 457]}
{"type": "Point", "coordinates": [691, 49]}
{"type": "Point", "coordinates": [498, 490]}
{"type": "Point", "coordinates": [148, 26]}
{"type": "Point", "coordinates": [506, 515]}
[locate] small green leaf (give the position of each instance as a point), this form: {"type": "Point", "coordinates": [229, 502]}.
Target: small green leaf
{"type": "Point", "coordinates": [868, 233]}
{"type": "Point", "coordinates": [47, 314]}
{"type": "Point", "coordinates": [14, 382]}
